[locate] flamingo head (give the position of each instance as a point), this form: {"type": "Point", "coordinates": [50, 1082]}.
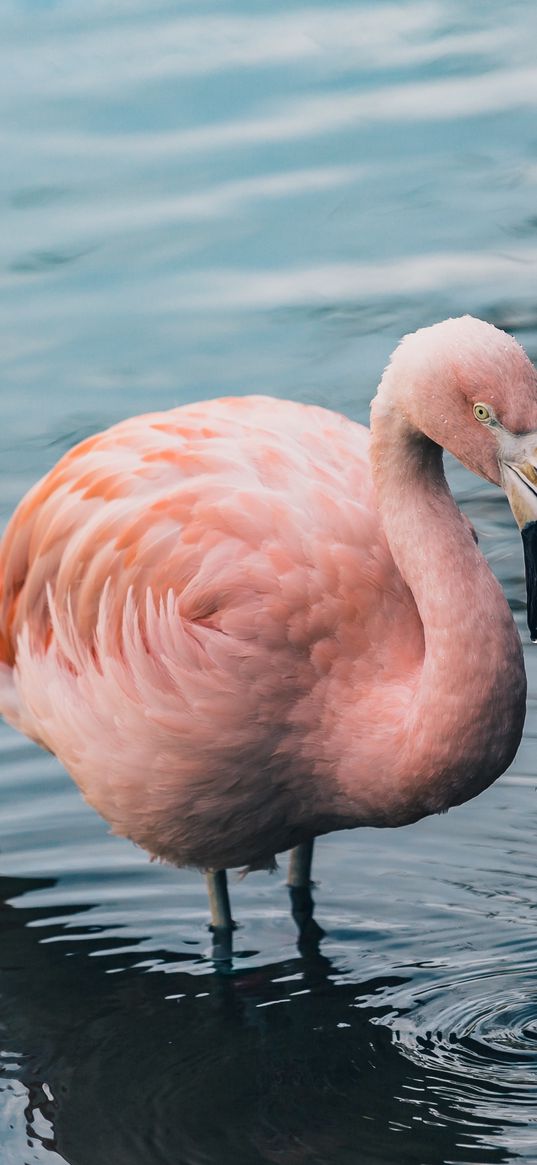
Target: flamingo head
{"type": "Point", "coordinates": [472, 389]}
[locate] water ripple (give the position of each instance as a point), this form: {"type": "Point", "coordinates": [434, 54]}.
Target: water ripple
{"type": "Point", "coordinates": [476, 1036]}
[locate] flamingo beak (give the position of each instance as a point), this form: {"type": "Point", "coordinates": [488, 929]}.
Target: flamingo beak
{"type": "Point", "coordinates": [519, 479]}
{"type": "Point", "coordinates": [529, 539]}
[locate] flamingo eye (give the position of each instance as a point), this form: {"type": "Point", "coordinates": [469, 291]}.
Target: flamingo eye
{"type": "Point", "coordinates": [482, 413]}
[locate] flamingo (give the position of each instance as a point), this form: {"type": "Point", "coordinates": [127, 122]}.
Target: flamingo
{"type": "Point", "coordinates": [244, 623]}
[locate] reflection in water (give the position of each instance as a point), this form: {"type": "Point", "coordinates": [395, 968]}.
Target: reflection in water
{"type": "Point", "coordinates": [290, 1063]}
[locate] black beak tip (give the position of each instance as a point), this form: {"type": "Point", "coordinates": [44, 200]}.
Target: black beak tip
{"type": "Point", "coordinates": [529, 540]}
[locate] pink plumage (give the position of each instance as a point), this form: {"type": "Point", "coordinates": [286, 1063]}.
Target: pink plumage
{"type": "Point", "coordinates": [240, 624]}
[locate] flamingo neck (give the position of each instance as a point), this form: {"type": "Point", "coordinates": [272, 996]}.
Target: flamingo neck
{"type": "Point", "coordinates": [464, 721]}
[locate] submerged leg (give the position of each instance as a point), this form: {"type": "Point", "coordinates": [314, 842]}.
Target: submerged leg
{"type": "Point", "coordinates": [299, 883]}
{"type": "Point", "coordinates": [222, 925]}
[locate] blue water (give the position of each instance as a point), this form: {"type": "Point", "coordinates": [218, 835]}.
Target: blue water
{"type": "Point", "coordinates": [200, 198]}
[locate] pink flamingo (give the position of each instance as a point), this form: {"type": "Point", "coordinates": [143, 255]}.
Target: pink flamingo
{"type": "Point", "coordinates": [244, 623]}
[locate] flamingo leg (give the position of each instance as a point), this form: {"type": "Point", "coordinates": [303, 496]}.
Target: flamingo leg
{"type": "Point", "coordinates": [219, 900]}
{"type": "Point", "coordinates": [300, 859]}
{"type": "Point", "coordinates": [222, 925]}
{"type": "Point", "coordinates": [299, 883]}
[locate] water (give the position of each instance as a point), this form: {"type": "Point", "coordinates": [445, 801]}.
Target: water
{"type": "Point", "coordinates": [205, 198]}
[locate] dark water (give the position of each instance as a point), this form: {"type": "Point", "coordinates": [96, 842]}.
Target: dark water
{"type": "Point", "coordinates": [201, 198]}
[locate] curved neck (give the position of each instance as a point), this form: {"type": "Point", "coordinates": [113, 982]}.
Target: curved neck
{"type": "Point", "coordinates": [466, 715]}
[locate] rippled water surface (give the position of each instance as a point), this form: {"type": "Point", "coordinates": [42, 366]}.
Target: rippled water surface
{"type": "Point", "coordinates": [201, 198]}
